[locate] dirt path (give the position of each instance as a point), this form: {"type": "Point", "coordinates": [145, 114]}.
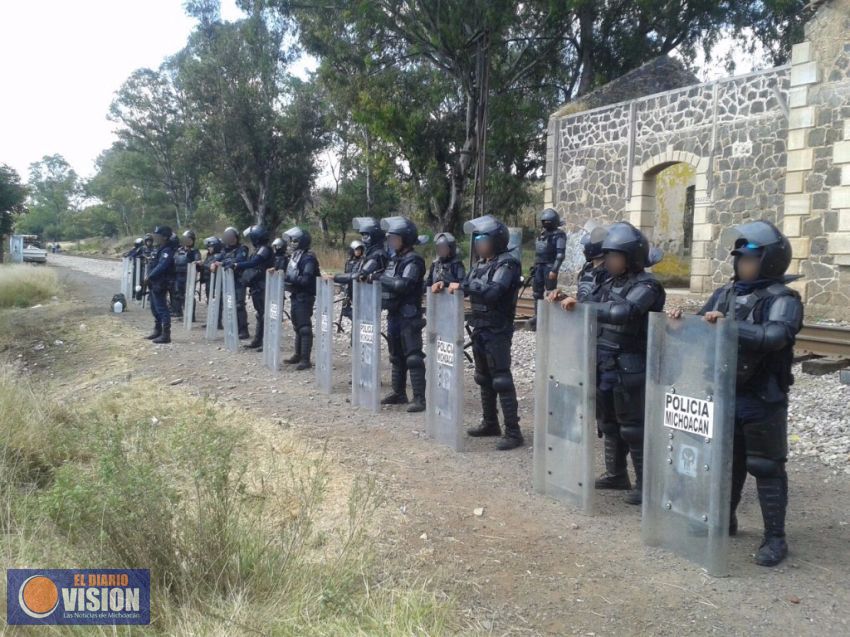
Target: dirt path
{"type": "Point", "coordinates": [528, 565]}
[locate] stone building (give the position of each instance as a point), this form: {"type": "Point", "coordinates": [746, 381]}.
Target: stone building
{"type": "Point", "coordinates": [773, 144]}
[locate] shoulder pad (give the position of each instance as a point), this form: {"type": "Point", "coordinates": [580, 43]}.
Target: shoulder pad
{"type": "Point", "coordinates": [780, 289]}
{"type": "Point", "coordinates": [505, 258]}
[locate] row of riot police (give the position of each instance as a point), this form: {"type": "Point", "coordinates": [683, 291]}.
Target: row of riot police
{"type": "Point", "coordinates": [615, 280]}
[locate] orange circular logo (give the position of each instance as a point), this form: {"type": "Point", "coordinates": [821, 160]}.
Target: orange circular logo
{"type": "Point", "coordinates": [38, 596]}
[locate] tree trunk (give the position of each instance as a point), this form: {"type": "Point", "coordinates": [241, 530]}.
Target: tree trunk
{"type": "Point", "coordinates": [587, 17]}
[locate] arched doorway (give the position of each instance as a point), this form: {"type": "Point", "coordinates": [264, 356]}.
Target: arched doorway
{"type": "Point", "coordinates": [669, 203]}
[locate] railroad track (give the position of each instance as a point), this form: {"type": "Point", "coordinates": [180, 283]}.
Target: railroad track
{"type": "Point", "coordinates": [818, 340]}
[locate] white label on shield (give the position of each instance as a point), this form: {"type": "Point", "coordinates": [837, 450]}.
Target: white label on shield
{"type": "Point", "coordinates": [325, 323]}
{"type": "Point", "coordinates": [367, 333]}
{"type": "Point", "coordinates": [691, 415]}
{"type": "Point", "coordinates": [229, 300]}
{"type": "Point", "coordinates": [445, 353]}
{"type": "Point", "coordinates": [273, 314]}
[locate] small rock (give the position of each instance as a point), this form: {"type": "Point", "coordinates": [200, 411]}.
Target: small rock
{"type": "Point", "coordinates": [176, 381]}
{"type": "Point", "coordinates": [424, 536]}
{"type": "Point", "coordinates": [794, 599]}
{"type": "Point", "coordinates": [478, 512]}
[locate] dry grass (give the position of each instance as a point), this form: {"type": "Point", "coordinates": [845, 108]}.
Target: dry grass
{"type": "Point", "coordinates": [25, 285]}
{"type": "Point", "coordinates": [242, 525]}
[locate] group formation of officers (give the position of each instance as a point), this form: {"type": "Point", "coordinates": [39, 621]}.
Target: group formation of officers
{"type": "Point", "coordinates": [615, 279]}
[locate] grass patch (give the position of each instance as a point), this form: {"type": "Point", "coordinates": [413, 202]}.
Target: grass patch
{"type": "Point", "coordinates": [238, 530]}
{"type": "Point", "coordinates": [26, 285]}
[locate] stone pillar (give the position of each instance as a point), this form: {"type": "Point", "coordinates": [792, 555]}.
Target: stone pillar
{"type": "Point", "coordinates": [801, 119]}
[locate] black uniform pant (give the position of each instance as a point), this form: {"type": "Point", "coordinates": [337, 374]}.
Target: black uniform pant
{"type": "Point", "coordinates": [159, 304]}
{"type": "Point", "coordinates": [241, 312]}
{"type": "Point", "coordinates": [491, 352]}
{"type": "Point", "coordinates": [178, 294]}
{"type": "Point", "coordinates": [301, 312]}
{"type": "Point", "coordinates": [404, 342]}
{"type": "Point", "coordinates": [760, 448]}
{"type": "Point", "coordinates": [540, 284]}
{"type": "Point", "coordinates": [258, 299]}
{"type": "Point", "coordinates": [620, 413]}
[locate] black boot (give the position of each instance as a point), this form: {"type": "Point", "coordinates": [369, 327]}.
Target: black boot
{"type": "Point", "coordinates": [512, 437]}
{"type": "Point", "coordinates": [773, 497]}
{"type": "Point", "coordinates": [739, 477]}
{"type": "Point", "coordinates": [417, 384]}
{"type": "Point", "coordinates": [398, 381]}
{"type": "Point", "coordinates": [257, 341]}
{"type": "Point", "coordinates": [165, 337]}
{"type": "Point", "coordinates": [635, 496]}
{"type": "Point", "coordinates": [306, 348]}
{"type": "Point", "coordinates": [157, 332]}
{"type": "Point", "coordinates": [489, 425]}
{"type": "Point", "coordinates": [296, 354]}
{"type": "Point", "coordinates": [616, 476]}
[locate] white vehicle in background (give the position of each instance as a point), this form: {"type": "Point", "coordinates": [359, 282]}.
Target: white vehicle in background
{"type": "Point", "coordinates": [33, 252]}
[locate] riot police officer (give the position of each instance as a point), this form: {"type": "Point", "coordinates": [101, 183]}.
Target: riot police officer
{"type": "Point", "coordinates": [447, 268]}
{"type": "Point", "coordinates": [214, 247]}
{"type": "Point", "coordinates": [593, 272]}
{"type": "Point", "coordinates": [136, 250]}
{"type": "Point", "coordinates": [549, 251]}
{"type": "Point", "coordinates": [375, 257]}
{"type": "Point", "coordinates": [187, 256]}
{"type": "Point", "coordinates": [300, 278]}
{"type": "Point", "coordinates": [252, 274]}
{"type": "Point", "coordinates": [624, 301]}
{"type": "Point", "coordinates": [158, 279]}
{"type": "Point", "coordinates": [769, 314]}
{"type": "Point", "coordinates": [232, 253]}
{"type": "Point", "coordinates": [401, 296]}
{"type": "Point", "coordinates": [280, 256]}
{"type": "Point", "coordinates": [492, 286]}
{"type": "Point", "coordinates": [352, 265]}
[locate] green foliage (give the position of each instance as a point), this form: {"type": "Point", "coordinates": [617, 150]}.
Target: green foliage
{"type": "Point", "coordinates": [54, 194]}
{"type": "Point", "coordinates": [12, 198]}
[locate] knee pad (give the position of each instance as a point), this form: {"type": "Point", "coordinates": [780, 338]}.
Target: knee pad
{"type": "Point", "coordinates": [305, 330]}
{"type": "Point", "coordinates": [765, 467]}
{"type": "Point", "coordinates": [481, 379]}
{"type": "Point", "coordinates": [608, 427]}
{"type": "Point", "coordinates": [415, 361]}
{"type": "Point", "coordinates": [503, 383]}
{"type": "Point", "coordinates": [631, 434]}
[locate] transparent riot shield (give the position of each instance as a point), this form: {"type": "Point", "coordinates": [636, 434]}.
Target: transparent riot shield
{"type": "Point", "coordinates": [324, 335]}
{"type": "Point", "coordinates": [444, 339]}
{"type": "Point", "coordinates": [229, 321]}
{"type": "Point", "coordinates": [273, 320]}
{"type": "Point", "coordinates": [16, 248]}
{"type": "Point", "coordinates": [690, 401]}
{"type": "Point", "coordinates": [565, 404]}
{"type": "Point", "coordinates": [126, 277]}
{"type": "Point", "coordinates": [189, 301]}
{"type": "Point", "coordinates": [366, 346]}
{"type": "Point", "coordinates": [214, 305]}
{"type": "Point", "coordinates": [138, 279]}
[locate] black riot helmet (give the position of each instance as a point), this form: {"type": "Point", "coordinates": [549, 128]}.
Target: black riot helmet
{"type": "Point", "coordinates": [764, 240]}
{"type": "Point", "coordinates": [148, 238]}
{"type": "Point", "coordinates": [213, 244]}
{"type": "Point", "coordinates": [370, 230]}
{"type": "Point", "coordinates": [550, 219]}
{"type": "Point", "coordinates": [257, 235]}
{"type": "Point", "coordinates": [138, 242]}
{"type": "Point", "coordinates": [446, 239]}
{"type": "Point", "coordinates": [490, 227]}
{"type": "Point", "coordinates": [297, 238]}
{"type": "Point", "coordinates": [403, 228]}
{"type": "Point", "coordinates": [625, 238]}
{"type": "Point", "coordinates": [279, 246]}
{"type": "Point", "coordinates": [591, 242]}
{"type": "Point", "coordinates": [189, 235]}
{"type": "Point", "coordinates": [230, 233]}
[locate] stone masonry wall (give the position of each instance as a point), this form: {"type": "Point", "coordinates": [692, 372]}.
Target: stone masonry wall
{"type": "Point", "coordinates": [772, 145]}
